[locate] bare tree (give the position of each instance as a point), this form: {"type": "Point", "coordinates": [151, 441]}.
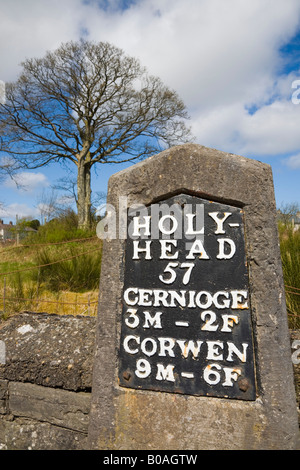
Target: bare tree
{"type": "Point", "coordinates": [288, 211]}
{"type": "Point", "coordinates": [88, 103]}
{"type": "Point", "coordinates": [67, 184]}
{"type": "Point", "coordinates": [48, 204]}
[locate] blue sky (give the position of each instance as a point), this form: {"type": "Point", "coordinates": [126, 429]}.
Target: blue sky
{"type": "Point", "coordinates": [233, 63]}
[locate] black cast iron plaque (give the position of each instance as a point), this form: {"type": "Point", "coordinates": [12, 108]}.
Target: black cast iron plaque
{"type": "Point", "coordinates": [186, 320]}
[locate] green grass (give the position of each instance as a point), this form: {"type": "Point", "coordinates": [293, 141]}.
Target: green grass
{"type": "Point", "coordinates": [9, 266]}
{"type": "Point", "coordinates": [72, 274]}
{"type": "Point", "coordinates": [290, 257]}
{"type": "Point", "coordinates": [81, 274]}
{"type": "Point", "coordinates": [78, 274]}
{"type": "Point", "coordinates": [61, 229]}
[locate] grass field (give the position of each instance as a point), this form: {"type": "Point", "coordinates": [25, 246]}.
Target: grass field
{"type": "Point", "coordinates": [53, 273]}
{"type": "Point", "coordinates": [55, 277]}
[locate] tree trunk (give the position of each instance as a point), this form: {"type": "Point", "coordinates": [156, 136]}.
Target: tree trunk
{"type": "Point", "coordinates": [84, 195]}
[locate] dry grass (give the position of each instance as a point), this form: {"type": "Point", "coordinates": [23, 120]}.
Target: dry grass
{"type": "Point", "coordinates": [60, 303]}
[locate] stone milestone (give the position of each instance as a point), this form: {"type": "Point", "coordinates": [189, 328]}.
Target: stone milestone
{"type": "Point", "coordinates": [192, 344]}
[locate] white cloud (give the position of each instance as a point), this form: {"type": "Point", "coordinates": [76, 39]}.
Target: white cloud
{"type": "Point", "coordinates": [293, 161]}
{"type": "Point", "coordinates": [221, 57]}
{"type": "Point", "coordinates": [11, 211]}
{"type": "Point", "coordinates": [25, 181]}
{"type": "Point", "coordinates": [271, 130]}
{"type": "Point", "coordinates": [210, 51]}
{"type": "Point", "coordinates": [28, 29]}
{"type": "Point", "coordinates": [2, 92]}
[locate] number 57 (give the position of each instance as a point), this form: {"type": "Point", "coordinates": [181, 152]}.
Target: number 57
{"type": "Point", "coordinates": [169, 274]}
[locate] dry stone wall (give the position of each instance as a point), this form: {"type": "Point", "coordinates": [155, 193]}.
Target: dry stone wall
{"type": "Point", "coordinates": [45, 382]}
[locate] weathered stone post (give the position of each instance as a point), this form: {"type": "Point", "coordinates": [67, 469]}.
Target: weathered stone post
{"type": "Point", "coordinates": [192, 347]}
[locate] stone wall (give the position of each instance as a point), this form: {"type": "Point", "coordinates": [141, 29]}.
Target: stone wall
{"type": "Point", "coordinates": [37, 417]}
{"type": "Point", "coordinates": [45, 382]}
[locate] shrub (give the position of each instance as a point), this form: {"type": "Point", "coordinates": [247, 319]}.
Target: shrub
{"type": "Point", "coordinates": [60, 229]}
{"type": "Point", "coordinates": [77, 274]}
{"type": "Point", "coordinates": [20, 295]}
{"type": "Point", "coordinates": [290, 256]}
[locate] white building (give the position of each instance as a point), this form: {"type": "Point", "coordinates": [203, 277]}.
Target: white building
{"type": "Point", "coordinates": [6, 231]}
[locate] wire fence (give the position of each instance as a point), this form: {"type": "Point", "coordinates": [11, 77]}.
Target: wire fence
{"type": "Point", "coordinates": [288, 289]}
{"type": "Point", "coordinates": [89, 305]}
{"type": "Point", "coordinates": [29, 268]}
{"type": "Point", "coordinates": [6, 249]}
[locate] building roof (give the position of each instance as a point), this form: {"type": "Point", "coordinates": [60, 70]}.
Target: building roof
{"type": "Point", "coordinates": [3, 226]}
